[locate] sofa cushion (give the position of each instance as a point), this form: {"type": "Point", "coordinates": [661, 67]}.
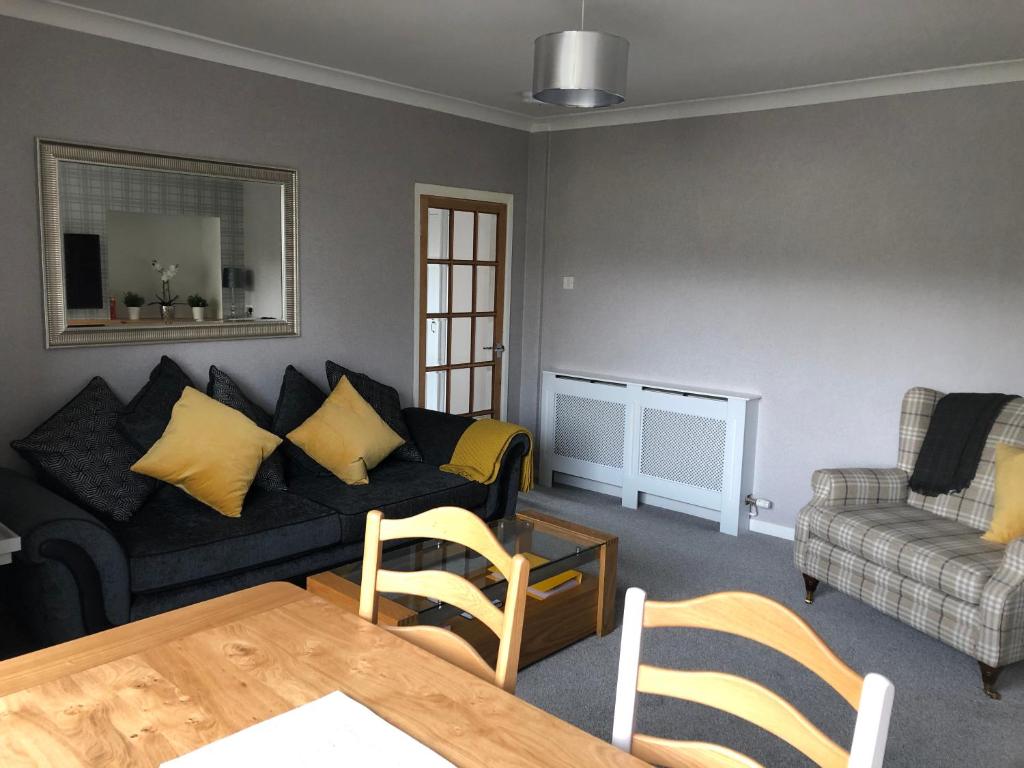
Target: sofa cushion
{"type": "Point", "coordinates": [210, 451]}
{"type": "Point", "coordinates": [175, 540]}
{"type": "Point", "coordinates": [935, 551]}
{"type": "Point", "coordinates": [397, 488]}
{"type": "Point", "coordinates": [146, 417]}
{"type": "Point", "coordinates": [298, 399]}
{"type": "Point", "coordinates": [383, 399]}
{"type": "Point", "coordinates": [344, 432]}
{"type": "Point", "coordinates": [223, 389]}
{"type": "Point", "coordinates": [79, 452]}
{"type": "Point", "coordinates": [436, 433]}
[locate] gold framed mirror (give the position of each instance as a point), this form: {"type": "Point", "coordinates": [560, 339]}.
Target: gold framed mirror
{"type": "Point", "coordinates": [140, 247]}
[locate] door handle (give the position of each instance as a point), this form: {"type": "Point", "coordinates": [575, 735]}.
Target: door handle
{"type": "Point", "coordinates": [498, 349]}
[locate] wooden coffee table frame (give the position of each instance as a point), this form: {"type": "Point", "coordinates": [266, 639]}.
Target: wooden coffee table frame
{"type": "Point", "coordinates": [550, 625]}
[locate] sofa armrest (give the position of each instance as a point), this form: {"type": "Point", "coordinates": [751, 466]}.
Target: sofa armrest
{"type": "Point", "coordinates": [436, 434]}
{"type": "Point", "coordinates": [1001, 612]}
{"type": "Point", "coordinates": [58, 539]}
{"type": "Point", "coordinates": [503, 493]}
{"type": "Point", "coordinates": [838, 487]}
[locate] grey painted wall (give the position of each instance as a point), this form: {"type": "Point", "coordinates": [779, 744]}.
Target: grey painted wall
{"type": "Point", "coordinates": [826, 257]}
{"type": "Point", "coordinates": [358, 159]}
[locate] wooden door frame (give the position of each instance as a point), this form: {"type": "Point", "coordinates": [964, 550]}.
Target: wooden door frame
{"type": "Point", "coordinates": [432, 190]}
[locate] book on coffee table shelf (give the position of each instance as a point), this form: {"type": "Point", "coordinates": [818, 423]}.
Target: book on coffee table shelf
{"type": "Point", "coordinates": [542, 590]}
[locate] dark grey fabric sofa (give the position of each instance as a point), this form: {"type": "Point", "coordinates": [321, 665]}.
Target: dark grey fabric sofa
{"type": "Point", "coordinates": [77, 574]}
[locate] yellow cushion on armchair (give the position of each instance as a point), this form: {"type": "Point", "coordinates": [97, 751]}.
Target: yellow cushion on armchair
{"type": "Point", "coordinates": [1008, 517]}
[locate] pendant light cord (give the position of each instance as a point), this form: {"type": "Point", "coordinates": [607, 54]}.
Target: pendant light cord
{"type": "Point", "coordinates": [583, 14]}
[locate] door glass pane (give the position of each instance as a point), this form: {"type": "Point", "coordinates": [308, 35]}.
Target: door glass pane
{"type": "Point", "coordinates": [461, 329]}
{"type": "Point", "coordinates": [437, 287]}
{"type": "Point", "coordinates": [433, 394]}
{"type": "Point", "coordinates": [462, 289]}
{"type": "Point", "coordinates": [485, 289]}
{"type": "Point", "coordinates": [487, 233]}
{"type": "Point", "coordinates": [463, 243]}
{"type": "Point", "coordinates": [484, 338]}
{"type": "Point", "coordinates": [437, 341]}
{"type": "Point", "coordinates": [482, 379]}
{"type": "Point", "coordinates": [460, 391]}
{"type": "Point", "coordinates": [437, 233]}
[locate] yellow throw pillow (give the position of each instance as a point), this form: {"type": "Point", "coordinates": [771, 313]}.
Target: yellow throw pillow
{"type": "Point", "coordinates": [354, 473]}
{"type": "Point", "coordinates": [209, 450]}
{"type": "Point", "coordinates": [344, 430]}
{"type": "Point", "coordinates": [1008, 517]}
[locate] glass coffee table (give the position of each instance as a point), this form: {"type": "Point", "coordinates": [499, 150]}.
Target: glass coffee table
{"type": "Point", "coordinates": [572, 584]}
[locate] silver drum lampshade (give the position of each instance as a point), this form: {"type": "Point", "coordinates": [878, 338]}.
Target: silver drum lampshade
{"type": "Point", "coordinates": [580, 69]}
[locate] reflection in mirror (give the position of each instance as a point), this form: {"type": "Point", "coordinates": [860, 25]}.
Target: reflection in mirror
{"type": "Point", "coordinates": [141, 247]}
{"type": "Point", "coordinates": [223, 235]}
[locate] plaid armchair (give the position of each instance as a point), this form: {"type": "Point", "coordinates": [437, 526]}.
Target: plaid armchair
{"type": "Point", "coordinates": [917, 558]}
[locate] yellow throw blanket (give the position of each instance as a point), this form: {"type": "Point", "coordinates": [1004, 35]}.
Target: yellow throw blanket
{"type": "Point", "coordinates": [479, 452]}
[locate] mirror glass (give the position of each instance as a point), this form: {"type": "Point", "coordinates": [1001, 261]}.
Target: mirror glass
{"type": "Point", "coordinates": [136, 254]}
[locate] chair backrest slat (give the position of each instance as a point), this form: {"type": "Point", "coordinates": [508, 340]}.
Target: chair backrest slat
{"type": "Point", "coordinates": [748, 700]}
{"type": "Point", "coordinates": [776, 626]}
{"type": "Point", "coordinates": [462, 527]}
{"type": "Point", "coordinates": [448, 646]}
{"type": "Point", "coordinates": [445, 587]}
{"type": "Point", "coordinates": [688, 754]}
{"type": "Point", "coordinates": [450, 524]}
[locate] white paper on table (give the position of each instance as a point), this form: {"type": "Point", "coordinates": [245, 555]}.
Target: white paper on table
{"type": "Point", "coordinates": [332, 731]}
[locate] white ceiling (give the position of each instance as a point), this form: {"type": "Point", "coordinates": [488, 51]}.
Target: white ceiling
{"type": "Point", "coordinates": [481, 50]}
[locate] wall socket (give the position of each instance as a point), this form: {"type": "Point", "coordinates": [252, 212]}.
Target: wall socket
{"type": "Point", "coordinates": [568, 283]}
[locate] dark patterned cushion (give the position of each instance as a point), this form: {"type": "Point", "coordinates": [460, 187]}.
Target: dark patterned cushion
{"type": "Point", "coordinates": [80, 451]}
{"type": "Point", "coordinates": [146, 417]}
{"type": "Point", "coordinates": [270, 476]}
{"type": "Point", "coordinates": [298, 400]}
{"type": "Point", "coordinates": [384, 400]}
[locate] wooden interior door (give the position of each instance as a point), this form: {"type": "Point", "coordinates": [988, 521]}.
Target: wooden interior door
{"type": "Point", "coordinates": [462, 297]}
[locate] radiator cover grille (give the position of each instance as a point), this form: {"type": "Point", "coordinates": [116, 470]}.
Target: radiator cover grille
{"type": "Point", "coordinates": [590, 430]}
{"type": "Point", "coordinates": [683, 448]}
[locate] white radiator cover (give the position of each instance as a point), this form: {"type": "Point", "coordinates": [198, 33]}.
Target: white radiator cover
{"type": "Point", "coordinates": [689, 445]}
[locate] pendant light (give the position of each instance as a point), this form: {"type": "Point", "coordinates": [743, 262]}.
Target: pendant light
{"type": "Point", "coordinates": [579, 68]}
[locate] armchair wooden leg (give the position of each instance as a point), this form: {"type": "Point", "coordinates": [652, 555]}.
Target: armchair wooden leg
{"type": "Point", "coordinates": [988, 680]}
{"type": "Point", "coordinates": [811, 584]}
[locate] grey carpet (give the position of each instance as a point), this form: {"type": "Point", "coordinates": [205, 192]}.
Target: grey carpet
{"type": "Point", "coordinates": [940, 716]}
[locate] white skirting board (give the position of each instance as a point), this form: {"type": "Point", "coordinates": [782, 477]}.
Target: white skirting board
{"type": "Point", "coordinates": [772, 529]}
{"type": "Point", "coordinates": [754, 524]}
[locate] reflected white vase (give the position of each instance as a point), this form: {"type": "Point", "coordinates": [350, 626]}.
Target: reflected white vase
{"type": "Point", "coordinates": [199, 314]}
{"type": "Point", "coordinates": [133, 313]}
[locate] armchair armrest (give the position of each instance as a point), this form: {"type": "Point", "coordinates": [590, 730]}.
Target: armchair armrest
{"type": "Point", "coordinates": [838, 487]}
{"type": "Point", "coordinates": [1001, 614]}
{"type": "Point", "coordinates": [72, 572]}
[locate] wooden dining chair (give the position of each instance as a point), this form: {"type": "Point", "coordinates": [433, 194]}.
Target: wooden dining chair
{"type": "Point", "coordinates": [765, 621]}
{"type": "Point", "coordinates": [462, 527]}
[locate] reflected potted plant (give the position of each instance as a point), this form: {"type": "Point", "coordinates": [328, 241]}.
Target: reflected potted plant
{"type": "Point", "coordinates": [165, 300]}
{"type": "Point", "coordinates": [134, 303]}
{"type": "Point", "coordinates": [199, 305]}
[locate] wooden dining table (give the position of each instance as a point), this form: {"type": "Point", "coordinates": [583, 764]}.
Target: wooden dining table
{"type": "Point", "coordinates": [149, 691]}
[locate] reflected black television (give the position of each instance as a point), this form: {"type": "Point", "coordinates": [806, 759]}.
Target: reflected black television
{"type": "Point", "coordinates": [83, 279]}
